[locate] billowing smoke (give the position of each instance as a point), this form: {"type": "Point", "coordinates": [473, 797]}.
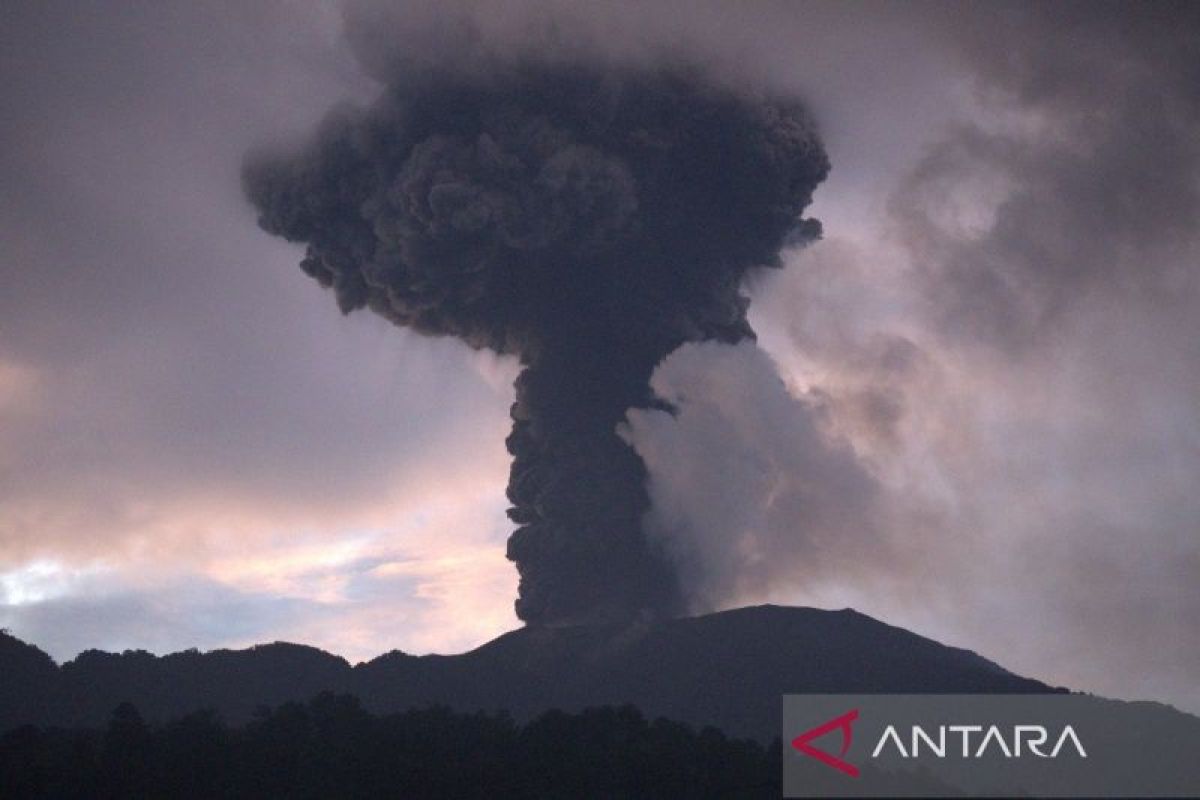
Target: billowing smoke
{"type": "Point", "coordinates": [588, 221]}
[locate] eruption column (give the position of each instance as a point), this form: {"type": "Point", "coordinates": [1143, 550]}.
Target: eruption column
{"type": "Point", "coordinates": [586, 220]}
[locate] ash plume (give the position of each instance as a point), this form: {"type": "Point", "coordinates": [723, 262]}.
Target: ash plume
{"type": "Point", "coordinates": [587, 221]}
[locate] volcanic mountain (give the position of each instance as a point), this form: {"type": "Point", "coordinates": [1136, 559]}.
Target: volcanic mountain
{"type": "Point", "coordinates": [726, 669]}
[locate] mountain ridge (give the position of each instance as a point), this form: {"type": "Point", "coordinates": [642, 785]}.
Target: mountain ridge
{"type": "Point", "coordinates": [726, 669]}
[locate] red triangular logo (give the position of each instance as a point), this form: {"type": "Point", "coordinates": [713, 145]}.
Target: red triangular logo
{"type": "Point", "coordinates": [841, 723]}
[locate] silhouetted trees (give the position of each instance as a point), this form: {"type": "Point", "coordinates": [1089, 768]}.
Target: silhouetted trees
{"type": "Point", "coordinates": [331, 747]}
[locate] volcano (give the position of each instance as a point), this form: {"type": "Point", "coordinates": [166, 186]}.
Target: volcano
{"type": "Point", "coordinates": [726, 670]}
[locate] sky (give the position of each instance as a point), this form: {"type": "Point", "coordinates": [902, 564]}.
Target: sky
{"type": "Point", "coordinates": [971, 410]}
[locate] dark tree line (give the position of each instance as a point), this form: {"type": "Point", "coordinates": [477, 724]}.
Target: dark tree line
{"type": "Point", "coordinates": [331, 747]}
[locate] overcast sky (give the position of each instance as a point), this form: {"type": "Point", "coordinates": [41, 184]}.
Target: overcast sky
{"type": "Point", "coordinates": [972, 411]}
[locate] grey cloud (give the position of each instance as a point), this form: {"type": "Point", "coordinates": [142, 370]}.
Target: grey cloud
{"type": "Point", "coordinates": [1077, 294]}
{"type": "Point", "coordinates": [152, 385]}
{"type": "Point", "coordinates": [1041, 262]}
{"type": "Point", "coordinates": [1091, 163]}
{"type": "Point", "coordinates": [751, 495]}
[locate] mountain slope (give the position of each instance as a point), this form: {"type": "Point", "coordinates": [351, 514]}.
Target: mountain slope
{"type": "Point", "coordinates": [726, 669]}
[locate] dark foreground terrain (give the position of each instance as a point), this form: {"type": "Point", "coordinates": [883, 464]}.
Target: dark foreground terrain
{"type": "Point", "coordinates": [330, 747]}
{"type": "Point", "coordinates": [724, 670]}
{"type": "Point", "coordinates": [681, 708]}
